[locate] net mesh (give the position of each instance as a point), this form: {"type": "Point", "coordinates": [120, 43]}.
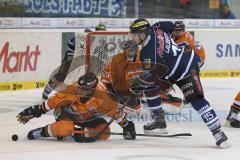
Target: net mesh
{"type": "Point", "coordinates": [93, 51]}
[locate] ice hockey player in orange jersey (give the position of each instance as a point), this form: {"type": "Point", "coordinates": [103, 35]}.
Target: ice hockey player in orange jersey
{"type": "Point", "coordinates": [79, 106]}
{"type": "Point", "coordinates": [121, 64]}
{"type": "Point", "coordinates": [114, 77]}
{"type": "Point", "coordinates": [232, 119]}
{"type": "Point", "coordinates": [181, 36]}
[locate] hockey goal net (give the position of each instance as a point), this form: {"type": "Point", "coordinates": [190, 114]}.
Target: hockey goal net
{"type": "Point", "coordinates": [93, 51]}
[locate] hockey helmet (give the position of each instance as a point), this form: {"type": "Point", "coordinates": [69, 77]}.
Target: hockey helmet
{"type": "Point", "coordinates": [129, 45]}
{"type": "Point", "coordinates": [87, 81]}
{"type": "Point", "coordinates": [100, 27]}
{"type": "Point", "coordinates": [179, 25]}
{"type": "Point", "coordinates": [130, 49]}
{"type": "Point", "coordinates": [140, 25]}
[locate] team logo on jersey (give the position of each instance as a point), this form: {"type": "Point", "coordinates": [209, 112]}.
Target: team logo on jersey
{"type": "Point", "coordinates": [167, 43]}
{"type": "Point", "coordinates": [92, 110]}
{"type": "Point", "coordinates": [147, 63]}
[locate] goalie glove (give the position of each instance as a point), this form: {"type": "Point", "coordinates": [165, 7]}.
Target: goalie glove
{"type": "Point", "coordinates": [29, 113]}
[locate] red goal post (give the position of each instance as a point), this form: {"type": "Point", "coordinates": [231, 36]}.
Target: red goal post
{"type": "Point", "coordinates": [94, 50]}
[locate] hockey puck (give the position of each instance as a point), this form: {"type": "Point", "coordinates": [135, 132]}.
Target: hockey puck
{"type": "Point", "coordinates": [14, 137]}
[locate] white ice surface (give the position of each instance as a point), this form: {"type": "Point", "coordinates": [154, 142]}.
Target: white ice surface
{"type": "Point", "coordinates": [219, 92]}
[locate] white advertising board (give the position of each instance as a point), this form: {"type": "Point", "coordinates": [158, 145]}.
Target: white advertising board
{"type": "Point", "coordinates": [28, 56]}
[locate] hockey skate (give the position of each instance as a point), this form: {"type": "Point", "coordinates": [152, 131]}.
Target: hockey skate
{"type": "Point", "coordinates": [222, 140]}
{"type": "Point", "coordinates": [35, 134]}
{"type": "Point", "coordinates": [158, 126]}
{"type": "Point", "coordinates": [232, 121]}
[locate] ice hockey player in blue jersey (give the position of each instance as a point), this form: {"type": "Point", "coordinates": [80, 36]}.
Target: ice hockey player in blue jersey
{"type": "Point", "coordinates": [165, 61]}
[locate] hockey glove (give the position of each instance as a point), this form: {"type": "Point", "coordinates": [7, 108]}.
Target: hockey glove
{"type": "Point", "coordinates": [29, 113]}
{"type": "Point", "coordinates": [129, 132]}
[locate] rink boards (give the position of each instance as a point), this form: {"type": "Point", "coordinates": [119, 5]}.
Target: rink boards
{"type": "Point", "coordinates": [29, 56]}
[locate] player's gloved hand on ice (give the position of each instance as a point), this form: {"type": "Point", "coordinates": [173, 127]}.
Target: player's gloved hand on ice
{"type": "Point", "coordinates": [82, 139]}
{"type": "Point", "coordinates": [29, 113]}
{"type": "Point", "coordinates": [129, 132]}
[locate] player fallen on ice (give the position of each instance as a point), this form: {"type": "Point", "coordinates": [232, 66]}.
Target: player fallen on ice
{"type": "Point", "coordinates": [163, 59]}
{"type": "Point", "coordinates": [232, 119]}
{"type": "Point", "coordinates": [79, 106]}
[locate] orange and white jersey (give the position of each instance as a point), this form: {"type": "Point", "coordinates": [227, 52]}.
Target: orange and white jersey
{"type": "Point", "coordinates": [195, 45]}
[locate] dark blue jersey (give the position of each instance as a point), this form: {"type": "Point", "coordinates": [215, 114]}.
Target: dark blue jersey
{"type": "Point", "coordinates": [165, 26]}
{"type": "Point", "coordinates": [159, 47]}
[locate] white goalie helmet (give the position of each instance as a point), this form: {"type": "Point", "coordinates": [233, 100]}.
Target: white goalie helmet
{"type": "Point", "coordinates": [130, 48]}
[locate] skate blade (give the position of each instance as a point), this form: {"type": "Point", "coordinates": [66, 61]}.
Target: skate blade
{"type": "Point", "coordinates": [156, 131]}
{"type": "Point", "coordinates": [227, 124]}
{"type": "Point", "coordinates": [224, 145]}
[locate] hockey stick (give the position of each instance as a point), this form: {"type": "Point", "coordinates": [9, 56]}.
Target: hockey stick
{"type": "Point", "coordinates": [140, 135]}
{"type": "Point", "coordinates": [99, 134]}
{"type": "Point", "coordinates": [147, 135]}
{"type": "Point", "coordinates": [113, 117]}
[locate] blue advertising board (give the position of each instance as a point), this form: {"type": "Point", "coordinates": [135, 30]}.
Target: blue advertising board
{"type": "Point", "coordinates": [74, 8]}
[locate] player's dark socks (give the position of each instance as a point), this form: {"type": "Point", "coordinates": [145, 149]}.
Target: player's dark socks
{"type": "Point", "coordinates": [208, 114]}
{"type": "Point", "coordinates": [38, 133]}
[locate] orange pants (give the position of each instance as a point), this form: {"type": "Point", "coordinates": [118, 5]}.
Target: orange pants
{"type": "Point", "coordinates": [65, 128]}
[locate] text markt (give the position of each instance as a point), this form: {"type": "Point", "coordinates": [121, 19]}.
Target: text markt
{"type": "Point", "coordinates": [19, 61]}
